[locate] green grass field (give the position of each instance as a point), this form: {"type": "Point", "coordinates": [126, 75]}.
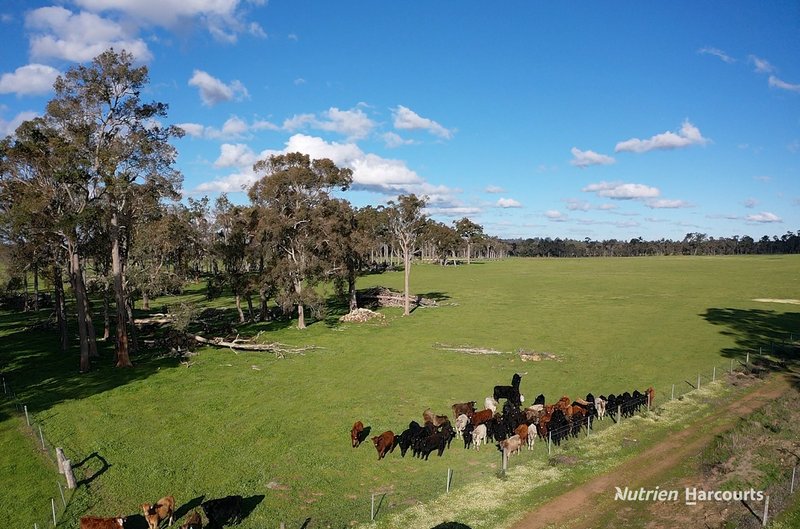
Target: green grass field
{"type": "Point", "coordinates": [277, 430]}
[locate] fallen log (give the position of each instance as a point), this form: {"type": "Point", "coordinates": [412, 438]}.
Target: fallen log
{"type": "Point", "coordinates": [237, 344]}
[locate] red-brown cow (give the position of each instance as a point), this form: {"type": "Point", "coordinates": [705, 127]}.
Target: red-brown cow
{"type": "Point", "coordinates": [193, 521]}
{"type": "Point", "coordinates": [163, 509]}
{"type": "Point", "coordinates": [94, 522]}
{"type": "Point", "coordinates": [467, 408]}
{"type": "Point", "coordinates": [384, 443]}
{"type": "Point", "coordinates": [356, 433]}
{"type": "Point", "coordinates": [481, 417]}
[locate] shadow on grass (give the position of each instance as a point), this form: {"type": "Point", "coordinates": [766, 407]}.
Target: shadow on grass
{"type": "Point", "coordinates": [776, 334]}
{"type": "Point", "coordinates": [89, 463]}
{"type": "Point", "coordinates": [187, 507]}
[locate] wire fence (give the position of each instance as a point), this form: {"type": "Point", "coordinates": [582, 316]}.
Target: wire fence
{"type": "Point", "coordinates": [52, 508]}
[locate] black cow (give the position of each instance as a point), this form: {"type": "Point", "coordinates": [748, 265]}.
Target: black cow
{"type": "Point", "coordinates": [435, 441]}
{"type": "Point", "coordinates": [510, 392]}
{"type": "Point", "coordinates": [406, 439]}
{"type": "Point", "coordinates": [223, 511]}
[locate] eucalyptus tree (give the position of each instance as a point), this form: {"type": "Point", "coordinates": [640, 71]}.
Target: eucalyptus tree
{"type": "Point", "coordinates": [443, 239]}
{"type": "Point", "coordinates": [126, 152]}
{"type": "Point", "coordinates": [348, 246]}
{"type": "Point", "coordinates": [233, 235]}
{"type": "Point", "coordinates": [406, 222]}
{"type": "Point", "coordinates": [470, 233]}
{"type": "Point", "coordinates": [291, 199]}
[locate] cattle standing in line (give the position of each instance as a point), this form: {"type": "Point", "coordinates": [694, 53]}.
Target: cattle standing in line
{"type": "Point", "coordinates": [384, 443]}
{"type": "Point", "coordinates": [223, 511]}
{"type": "Point", "coordinates": [600, 406]}
{"type": "Point", "coordinates": [193, 521]}
{"type": "Point", "coordinates": [435, 441]}
{"type": "Point", "coordinates": [163, 509]}
{"type": "Point", "coordinates": [95, 522]}
{"type": "Point", "coordinates": [356, 432]}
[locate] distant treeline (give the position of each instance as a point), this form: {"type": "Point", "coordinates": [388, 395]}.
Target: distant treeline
{"type": "Point", "coordinates": [692, 244]}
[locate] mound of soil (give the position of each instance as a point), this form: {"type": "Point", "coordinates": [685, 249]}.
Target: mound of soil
{"type": "Point", "coordinates": [360, 316]}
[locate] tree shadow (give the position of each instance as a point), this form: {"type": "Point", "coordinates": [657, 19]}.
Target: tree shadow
{"type": "Point", "coordinates": [771, 338]}
{"type": "Point", "coordinates": [96, 473]}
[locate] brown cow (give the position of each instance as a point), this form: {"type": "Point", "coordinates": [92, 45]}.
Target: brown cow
{"type": "Point", "coordinates": [651, 395]}
{"type": "Point", "coordinates": [94, 522]}
{"type": "Point", "coordinates": [163, 509]}
{"type": "Point", "coordinates": [356, 432]}
{"type": "Point", "coordinates": [525, 435]}
{"type": "Point", "coordinates": [193, 521]}
{"type": "Point", "coordinates": [384, 443]}
{"type": "Point", "coordinates": [481, 417]}
{"type": "Point", "coordinates": [467, 408]}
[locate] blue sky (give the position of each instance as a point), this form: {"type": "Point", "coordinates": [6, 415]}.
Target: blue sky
{"type": "Point", "coordinates": [581, 119]}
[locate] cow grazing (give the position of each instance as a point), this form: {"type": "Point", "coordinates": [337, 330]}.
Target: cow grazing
{"type": "Point", "coordinates": [482, 417]}
{"type": "Point", "coordinates": [163, 509]}
{"type": "Point", "coordinates": [223, 511]}
{"type": "Point", "coordinates": [510, 446]}
{"type": "Point", "coordinates": [384, 443]}
{"type": "Point", "coordinates": [356, 432]}
{"type": "Point", "coordinates": [466, 408]}
{"type": "Point", "coordinates": [193, 521]}
{"type": "Point", "coordinates": [94, 522]}
{"type": "Point", "coordinates": [490, 404]}
{"type": "Point", "coordinates": [478, 436]}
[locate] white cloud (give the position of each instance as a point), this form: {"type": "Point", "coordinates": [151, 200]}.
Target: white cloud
{"type": "Point", "coordinates": [354, 124]}
{"type": "Point", "coordinates": [193, 129]}
{"type": "Point", "coordinates": [60, 34]}
{"type": "Point", "coordinates": [578, 205]}
{"type": "Point", "coordinates": [392, 140]}
{"type": "Point", "coordinates": [774, 82]}
{"type": "Point", "coordinates": [494, 189]}
{"type": "Point", "coordinates": [31, 79]}
{"type": "Point", "coordinates": [555, 215]}
{"type": "Point", "coordinates": [763, 217]}
{"type": "Point", "coordinates": [688, 135]}
{"type": "Point", "coordinates": [233, 128]}
{"type": "Point", "coordinates": [762, 66]}
{"type": "Point", "coordinates": [508, 203]}
{"type": "Point", "coordinates": [235, 155]}
{"type": "Point", "coordinates": [7, 128]}
{"type": "Point", "coordinates": [750, 203]}
{"type": "Point", "coordinates": [584, 159]}
{"type": "Point", "coordinates": [620, 191]}
{"type": "Point", "coordinates": [213, 91]}
{"type": "Point", "coordinates": [407, 119]}
{"type": "Point", "coordinates": [299, 81]}
{"type": "Point", "coordinates": [716, 52]}
{"type": "Point", "coordinates": [667, 204]}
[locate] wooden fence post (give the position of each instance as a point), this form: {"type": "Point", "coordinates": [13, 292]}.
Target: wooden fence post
{"type": "Point", "coordinates": [714, 374]}
{"type": "Point", "coordinates": [372, 509]}
{"type": "Point", "coordinates": [673, 393]}
{"type": "Point", "coordinates": [53, 506]}
{"type": "Point", "coordinates": [69, 475]}
{"type": "Point", "coordinates": [27, 419]}
{"type": "Point", "coordinates": [60, 459]}
{"type": "Point", "coordinates": [766, 512]}
{"type": "Point", "coordinates": [791, 488]}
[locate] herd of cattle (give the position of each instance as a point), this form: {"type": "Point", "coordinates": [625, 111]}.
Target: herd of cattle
{"type": "Point", "coordinates": [512, 429]}
{"type": "Point", "coordinates": [219, 512]}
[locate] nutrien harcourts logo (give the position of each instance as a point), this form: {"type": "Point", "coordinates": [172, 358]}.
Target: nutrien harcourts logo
{"type": "Point", "coordinates": [691, 495]}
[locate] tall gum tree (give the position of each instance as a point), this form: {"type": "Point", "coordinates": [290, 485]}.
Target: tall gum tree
{"type": "Point", "coordinates": [291, 199]}
{"type": "Point", "coordinates": [406, 222]}
{"type": "Point", "coordinates": [127, 152]}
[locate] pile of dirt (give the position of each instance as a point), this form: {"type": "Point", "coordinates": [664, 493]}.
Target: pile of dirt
{"type": "Point", "coordinates": [531, 356]}
{"type": "Point", "coordinates": [360, 316]}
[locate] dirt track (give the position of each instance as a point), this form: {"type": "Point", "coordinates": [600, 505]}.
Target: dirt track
{"type": "Point", "coordinates": [596, 497]}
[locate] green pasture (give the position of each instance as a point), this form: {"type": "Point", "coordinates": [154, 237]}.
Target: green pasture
{"type": "Point", "coordinates": [276, 431]}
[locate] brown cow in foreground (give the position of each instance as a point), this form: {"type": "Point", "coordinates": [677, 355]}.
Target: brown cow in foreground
{"type": "Point", "coordinates": [384, 443]}
{"type": "Point", "coordinates": [163, 509]}
{"type": "Point", "coordinates": [356, 432]}
{"type": "Point", "coordinates": [94, 522]}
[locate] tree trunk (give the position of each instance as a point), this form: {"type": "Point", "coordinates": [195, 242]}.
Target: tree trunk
{"type": "Point", "coordinates": [301, 316]}
{"type": "Point", "coordinates": [106, 315]}
{"type": "Point", "coordinates": [36, 288]}
{"type": "Point", "coordinates": [90, 329]}
{"type": "Point", "coordinates": [351, 288]}
{"type": "Point", "coordinates": [123, 358]}
{"type": "Point", "coordinates": [249, 298]}
{"type": "Point", "coordinates": [239, 307]}
{"type": "Point", "coordinates": [469, 252]}
{"type": "Point", "coordinates": [406, 276]}
{"type": "Point", "coordinates": [60, 307]}
{"type": "Point", "coordinates": [262, 296]}
{"type": "Point", "coordinates": [145, 301]}
{"type": "Point", "coordinates": [76, 278]}
{"type": "Point", "coordinates": [25, 286]}
{"type": "Point", "coordinates": [134, 337]}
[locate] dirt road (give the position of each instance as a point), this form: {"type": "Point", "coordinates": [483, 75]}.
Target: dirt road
{"type": "Point", "coordinates": [583, 506]}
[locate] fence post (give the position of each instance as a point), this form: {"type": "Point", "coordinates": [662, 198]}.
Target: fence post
{"type": "Point", "coordinates": [27, 419]}
{"type": "Point", "coordinates": [5, 390]}
{"type": "Point", "coordinates": [672, 397]}
{"type": "Point", "coordinates": [69, 475]}
{"type": "Point", "coordinates": [53, 506]}
{"type": "Point", "coordinates": [549, 440]}
{"type": "Point", "coordinates": [766, 512]}
{"type": "Point", "coordinates": [449, 473]}
{"type": "Point", "coordinates": [60, 459]}
{"type": "Point", "coordinates": [791, 488]}
{"type": "Point", "coordinates": [619, 412]}
{"type": "Point", "coordinates": [41, 436]}
{"type": "Point", "coordinates": [731, 366]}
{"type": "Point", "coordinates": [747, 360]}
{"type": "Point", "coordinates": [698, 381]}
{"type": "Point", "coordinates": [714, 374]}
{"type": "Point", "coordinates": [588, 424]}
{"type": "Point", "coordinates": [372, 509]}
{"type": "Point", "coordinates": [61, 491]}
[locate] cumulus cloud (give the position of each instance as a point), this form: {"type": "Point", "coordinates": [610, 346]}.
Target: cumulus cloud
{"type": "Point", "coordinates": [233, 128]}
{"type": "Point", "coordinates": [494, 189]}
{"type": "Point", "coordinates": [555, 215]}
{"type": "Point", "coordinates": [213, 91]}
{"type": "Point", "coordinates": [621, 191]}
{"type": "Point", "coordinates": [7, 128]}
{"type": "Point", "coordinates": [508, 203]}
{"type": "Point", "coordinates": [584, 159]}
{"type": "Point", "coordinates": [578, 205]}
{"type": "Point", "coordinates": [687, 136]}
{"type": "Point", "coordinates": [763, 217]}
{"type": "Point", "coordinates": [32, 79]}
{"type": "Point", "coordinates": [407, 119]}
{"type": "Point", "coordinates": [59, 33]}
{"type": "Point", "coordinates": [392, 140]}
{"type": "Point", "coordinates": [235, 155]}
{"type": "Point", "coordinates": [354, 124]}
{"type": "Point", "coordinates": [716, 52]}
{"type": "Point", "coordinates": [774, 82]}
